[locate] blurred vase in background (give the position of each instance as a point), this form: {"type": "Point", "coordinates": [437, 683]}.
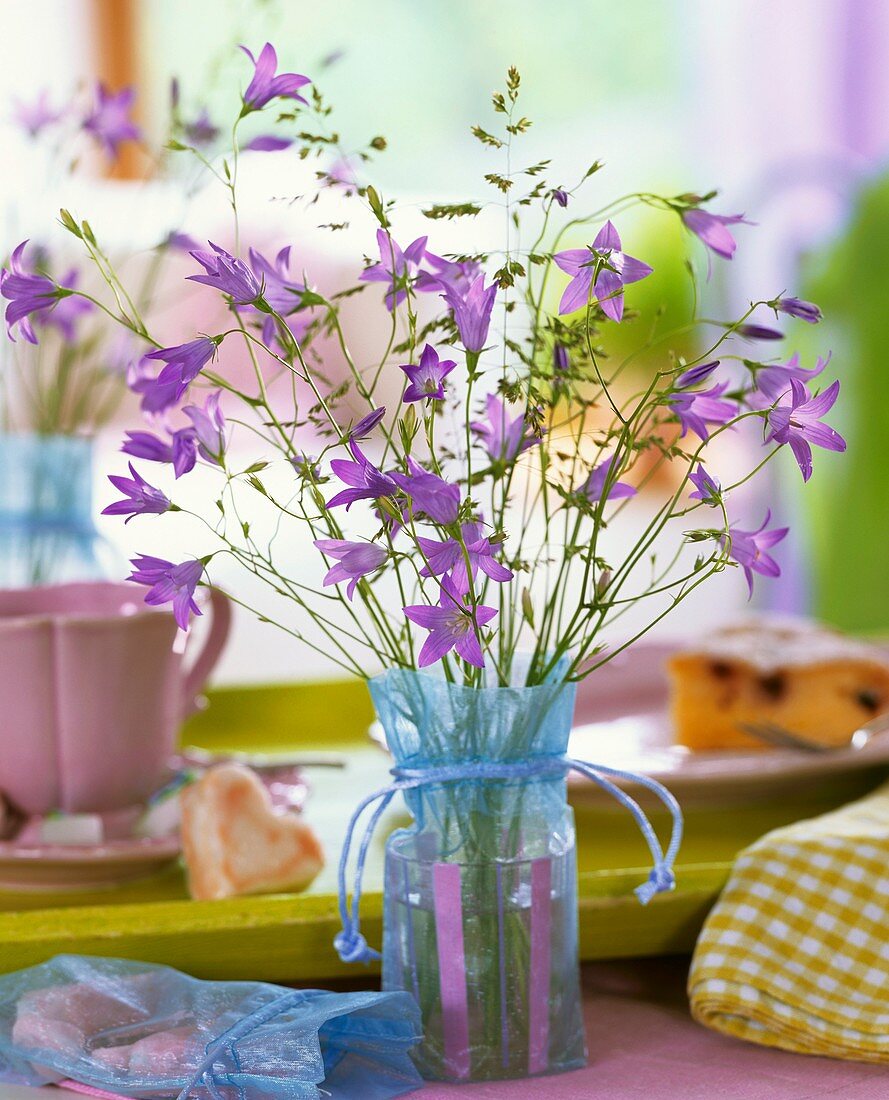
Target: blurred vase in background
{"type": "Point", "coordinates": [47, 534]}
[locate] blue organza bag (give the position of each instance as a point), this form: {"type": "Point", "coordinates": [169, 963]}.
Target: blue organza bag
{"type": "Point", "coordinates": [149, 1031]}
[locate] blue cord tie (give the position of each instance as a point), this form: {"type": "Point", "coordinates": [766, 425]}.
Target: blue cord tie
{"type": "Point", "coordinates": [351, 944]}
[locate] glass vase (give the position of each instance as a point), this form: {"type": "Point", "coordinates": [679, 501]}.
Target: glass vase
{"type": "Point", "coordinates": [46, 526]}
{"type": "Point", "coordinates": [480, 910]}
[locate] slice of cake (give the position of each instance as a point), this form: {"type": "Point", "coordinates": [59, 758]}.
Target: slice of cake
{"type": "Point", "coordinates": [787, 671]}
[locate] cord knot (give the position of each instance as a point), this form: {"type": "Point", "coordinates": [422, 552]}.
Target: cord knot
{"type": "Point", "coordinates": [351, 946]}
{"type": "Point", "coordinates": [660, 880]}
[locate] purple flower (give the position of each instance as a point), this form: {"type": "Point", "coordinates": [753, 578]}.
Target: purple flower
{"type": "Point", "coordinates": [695, 375]}
{"type": "Point", "coordinates": [698, 409]}
{"type": "Point", "coordinates": [265, 85]}
{"type": "Point", "coordinates": [27, 293]}
{"type": "Point", "coordinates": [267, 143]}
{"type": "Point", "coordinates": [773, 381]}
{"type": "Point", "coordinates": [561, 360]}
{"type": "Point", "coordinates": [366, 424]}
{"type": "Point", "coordinates": [37, 115]}
{"type": "Point", "coordinates": [561, 196]}
{"type": "Point", "coordinates": [504, 439]}
{"type": "Point", "coordinates": [354, 561]}
{"type": "Point", "coordinates": [201, 131]}
{"type": "Point", "coordinates": [459, 275]}
{"type": "Point", "coordinates": [395, 267]}
{"type": "Point", "coordinates": [184, 363]}
{"type": "Point", "coordinates": [140, 498]}
{"type": "Point", "coordinates": [594, 485]}
{"type": "Point", "coordinates": [427, 378]}
{"type": "Point", "coordinates": [615, 270]}
{"type": "Point", "coordinates": [181, 242]}
{"type": "Point", "coordinates": [712, 229]}
{"type": "Point", "coordinates": [451, 625]}
{"type": "Point", "coordinates": [306, 466]}
{"type": "Point", "coordinates": [472, 312]}
{"type": "Point", "coordinates": [67, 310]}
{"type": "Point", "coordinates": [344, 173]}
{"type": "Point", "coordinates": [758, 332]}
{"type": "Point", "coordinates": [281, 293]}
{"type": "Point", "coordinates": [169, 583]}
{"type": "Point", "coordinates": [209, 428]}
{"type": "Point", "coordinates": [148, 447]}
{"type": "Point", "coordinates": [799, 424]}
{"type": "Point", "coordinates": [796, 307]}
{"type": "Point", "coordinates": [748, 548]}
{"type": "Point", "coordinates": [109, 120]}
{"type": "Point", "coordinates": [447, 556]}
{"type": "Point", "coordinates": [364, 480]}
{"type": "Point", "coordinates": [707, 488]}
{"type": "Point", "coordinates": [227, 275]}
{"type": "Point", "coordinates": [430, 494]}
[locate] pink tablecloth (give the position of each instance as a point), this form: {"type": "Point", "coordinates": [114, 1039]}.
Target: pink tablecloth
{"type": "Point", "coordinates": [643, 1045]}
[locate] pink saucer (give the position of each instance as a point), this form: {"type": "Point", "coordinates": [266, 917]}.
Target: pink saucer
{"type": "Point", "coordinates": [68, 867]}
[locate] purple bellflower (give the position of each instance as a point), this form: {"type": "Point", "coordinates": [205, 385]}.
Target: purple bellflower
{"type": "Point", "coordinates": [472, 312]}
{"type": "Point", "coordinates": [798, 423]}
{"type": "Point", "coordinates": [561, 196]}
{"type": "Point", "coordinates": [65, 313]}
{"type": "Point", "coordinates": [707, 488]}
{"type": "Point", "coordinates": [773, 381]}
{"type": "Point", "coordinates": [109, 120]}
{"type": "Point", "coordinates": [267, 143]}
{"type": "Point", "coordinates": [458, 275]}
{"type": "Point", "coordinates": [451, 625]}
{"type": "Point", "coordinates": [748, 548]}
{"type": "Point", "coordinates": [699, 408]}
{"type": "Point", "coordinates": [354, 560]}
{"type": "Point", "coordinates": [503, 439]}
{"type": "Point", "coordinates": [147, 446]}
{"type": "Point", "coordinates": [367, 423]}
{"type": "Point", "coordinates": [561, 359]}
{"type": "Point", "coordinates": [227, 274]}
{"type": "Point", "coordinates": [209, 428]}
{"type": "Point", "coordinates": [266, 85]}
{"type": "Point", "coordinates": [396, 267]}
{"type": "Point", "coordinates": [594, 485]}
{"type": "Point", "coordinates": [429, 494]}
{"type": "Point", "coordinates": [169, 583]}
{"type": "Point", "coordinates": [713, 229]}
{"type": "Point", "coordinates": [364, 480]}
{"type": "Point", "coordinates": [36, 116]}
{"type": "Point", "coordinates": [201, 131]}
{"type": "Point", "coordinates": [28, 293]}
{"type": "Point", "coordinates": [796, 307]}
{"type": "Point", "coordinates": [427, 378]}
{"type": "Point", "coordinates": [695, 375]}
{"type": "Point", "coordinates": [447, 556]}
{"type": "Point", "coordinates": [581, 264]}
{"type": "Point", "coordinates": [184, 363]}
{"type": "Point", "coordinates": [277, 288]}
{"type": "Point", "coordinates": [140, 498]}
{"type": "Point", "coordinates": [754, 331]}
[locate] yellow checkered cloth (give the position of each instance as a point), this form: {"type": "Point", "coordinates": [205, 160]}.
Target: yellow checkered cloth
{"type": "Point", "coordinates": [796, 952]}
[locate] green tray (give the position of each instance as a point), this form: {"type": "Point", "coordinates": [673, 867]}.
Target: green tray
{"type": "Point", "coordinates": [288, 937]}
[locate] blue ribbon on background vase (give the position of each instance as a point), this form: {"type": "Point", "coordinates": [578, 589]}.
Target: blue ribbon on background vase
{"type": "Point", "coordinates": [351, 945]}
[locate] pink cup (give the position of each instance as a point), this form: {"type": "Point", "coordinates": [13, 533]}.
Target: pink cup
{"type": "Point", "coordinates": [92, 694]}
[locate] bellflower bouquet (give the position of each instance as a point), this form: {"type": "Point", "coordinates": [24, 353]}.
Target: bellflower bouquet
{"type": "Point", "coordinates": [509, 412]}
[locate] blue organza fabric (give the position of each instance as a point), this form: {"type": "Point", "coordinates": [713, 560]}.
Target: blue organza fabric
{"type": "Point", "coordinates": [150, 1031]}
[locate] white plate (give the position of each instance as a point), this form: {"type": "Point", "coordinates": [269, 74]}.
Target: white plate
{"type": "Point", "coordinates": [622, 721]}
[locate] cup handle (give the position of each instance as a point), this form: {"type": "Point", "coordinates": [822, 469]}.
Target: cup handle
{"type": "Point", "coordinates": [199, 673]}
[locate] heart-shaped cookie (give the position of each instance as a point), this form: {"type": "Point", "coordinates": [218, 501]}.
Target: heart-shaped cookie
{"type": "Point", "coordinates": [235, 843]}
